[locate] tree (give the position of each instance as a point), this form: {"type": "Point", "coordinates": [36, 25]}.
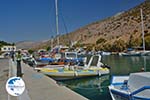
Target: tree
{"type": "Point", "coordinates": [134, 41]}
{"type": "Point", "coordinates": [48, 48]}
{"type": "Point", "coordinates": [30, 51]}
{"type": "Point", "coordinates": [1, 45]}
{"type": "Point", "coordinates": [119, 45]}
{"type": "Point", "coordinates": [107, 46]}
{"type": "Point", "coordinates": [13, 44]}
{"type": "Point", "coordinates": [147, 42]}
{"type": "Point", "coordinates": [100, 40]}
{"type": "Point", "coordinates": [130, 43]}
{"type": "Point", "coordinates": [4, 43]}
{"type": "Point", "coordinates": [90, 47]}
{"type": "Point", "coordinates": [78, 45]}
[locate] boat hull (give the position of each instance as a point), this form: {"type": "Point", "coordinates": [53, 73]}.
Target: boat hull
{"type": "Point", "coordinates": [145, 53]}
{"type": "Point", "coordinates": [65, 75]}
{"type": "Point", "coordinates": [131, 54]}
{"type": "Point", "coordinates": [71, 77]}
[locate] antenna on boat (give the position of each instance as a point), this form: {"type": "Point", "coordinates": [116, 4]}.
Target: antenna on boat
{"type": "Point", "coordinates": [142, 25]}
{"type": "Point", "coordinates": [57, 29]}
{"type": "Point", "coordinates": [52, 42]}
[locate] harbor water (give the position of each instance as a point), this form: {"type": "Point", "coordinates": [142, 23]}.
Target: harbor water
{"type": "Point", "coordinates": [96, 88]}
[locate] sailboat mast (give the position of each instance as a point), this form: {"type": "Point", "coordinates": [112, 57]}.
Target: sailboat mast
{"type": "Point", "coordinates": [52, 42]}
{"type": "Point", "coordinates": [57, 28]}
{"type": "Point", "coordinates": [142, 25]}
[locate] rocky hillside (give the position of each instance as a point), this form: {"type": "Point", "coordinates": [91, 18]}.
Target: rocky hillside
{"type": "Point", "coordinates": [31, 44]}
{"type": "Point", "coordinates": [114, 33]}
{"type": "Point", "coordinates": [124, 26]}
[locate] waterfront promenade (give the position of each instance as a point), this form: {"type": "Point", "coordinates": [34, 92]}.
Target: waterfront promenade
{"type": "Point", "coordinates": [4, 68]}
{"type": "Point", "coordinates": [39, 86]}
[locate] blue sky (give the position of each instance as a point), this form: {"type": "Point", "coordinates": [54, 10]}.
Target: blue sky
{"type": "Point", "coordinates": [35, 19]}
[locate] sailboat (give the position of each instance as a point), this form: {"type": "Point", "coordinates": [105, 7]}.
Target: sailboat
{"type": "Point", "coordinates": [143, 52]}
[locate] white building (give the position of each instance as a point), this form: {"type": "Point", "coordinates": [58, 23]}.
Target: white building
{"type": "Point", "coordinates": [8, 48]}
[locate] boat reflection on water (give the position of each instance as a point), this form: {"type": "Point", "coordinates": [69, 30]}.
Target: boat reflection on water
{"type": "Point", "coordinates": [92, 88]}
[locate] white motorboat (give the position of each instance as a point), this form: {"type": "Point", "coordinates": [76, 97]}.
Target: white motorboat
{"type": "Point", "coordinates": [136, 86]}
{"type": "Point", "coordinates": [130, 53]}
{"type": "Point", "coordinates": [93, 68]}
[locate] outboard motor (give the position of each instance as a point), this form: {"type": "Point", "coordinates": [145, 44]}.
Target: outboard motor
{"type": "Point", "coordinates": [106, 66]}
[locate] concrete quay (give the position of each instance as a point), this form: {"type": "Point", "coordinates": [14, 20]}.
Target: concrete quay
{"type": "Point", "coordinates": [4, 69]}
{"type": "Point", "coordinates": [41, 87]}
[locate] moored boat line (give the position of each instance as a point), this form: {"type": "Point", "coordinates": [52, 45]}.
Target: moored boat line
{"type": "Point", "coordinates": [135, 53]}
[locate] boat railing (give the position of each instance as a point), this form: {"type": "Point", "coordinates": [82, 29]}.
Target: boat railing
{"type": "Point", "coordinates": [139, 90]}
{"type": "Point", "coordinates": [125, 85]}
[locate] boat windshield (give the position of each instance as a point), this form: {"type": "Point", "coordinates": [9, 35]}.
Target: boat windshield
{"type": "Point", "coordinates": [71, 55]}
{"type": "Point", "coordinates": [95, 61]}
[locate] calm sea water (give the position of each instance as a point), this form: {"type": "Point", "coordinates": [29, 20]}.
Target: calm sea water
{"type": "Point", "coordinates": [96, 88]}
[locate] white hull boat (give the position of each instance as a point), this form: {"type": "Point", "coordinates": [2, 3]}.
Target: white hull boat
{"type": "Point", "coordinates": [131, 53]}
{"type": "Point", "coordinates": [94, 68]}
{"type": "Point", "coordinates": [133, 87]}
{"type": "Point", "coordinates": [145, 53]}
{"type": "Point", "coordinates": [68, 74]}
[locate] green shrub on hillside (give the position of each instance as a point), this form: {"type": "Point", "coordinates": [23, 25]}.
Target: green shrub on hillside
{"type": "Point", "coordinates": [30, 51]}
{"type": "Point", "coordinates": [91, 47]}
{"type": "Point", "coordinates": [100, 40]}
{"type": "Point", "coordinates": [147, 42]}
{"type": "Point", "coordinates": [134, 41]}
{"type": "Point", "coordinates": [48, 48]}
{"type": "Point", "coordinates": [107, 47]}
{"type": "Point", "coordinates": [119, 45]}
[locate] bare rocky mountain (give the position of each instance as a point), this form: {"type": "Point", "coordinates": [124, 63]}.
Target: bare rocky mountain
{"type": "Point", "coordinates": [24, 44]}
{"type": "Point", "coordinates": [119, 26]}
{"type": "Point", "coordinates": [32, 44]}
{"type": "Point", "coordinates": [29, 44]}
{"type": "Point", "coordinates": [124, 26]}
